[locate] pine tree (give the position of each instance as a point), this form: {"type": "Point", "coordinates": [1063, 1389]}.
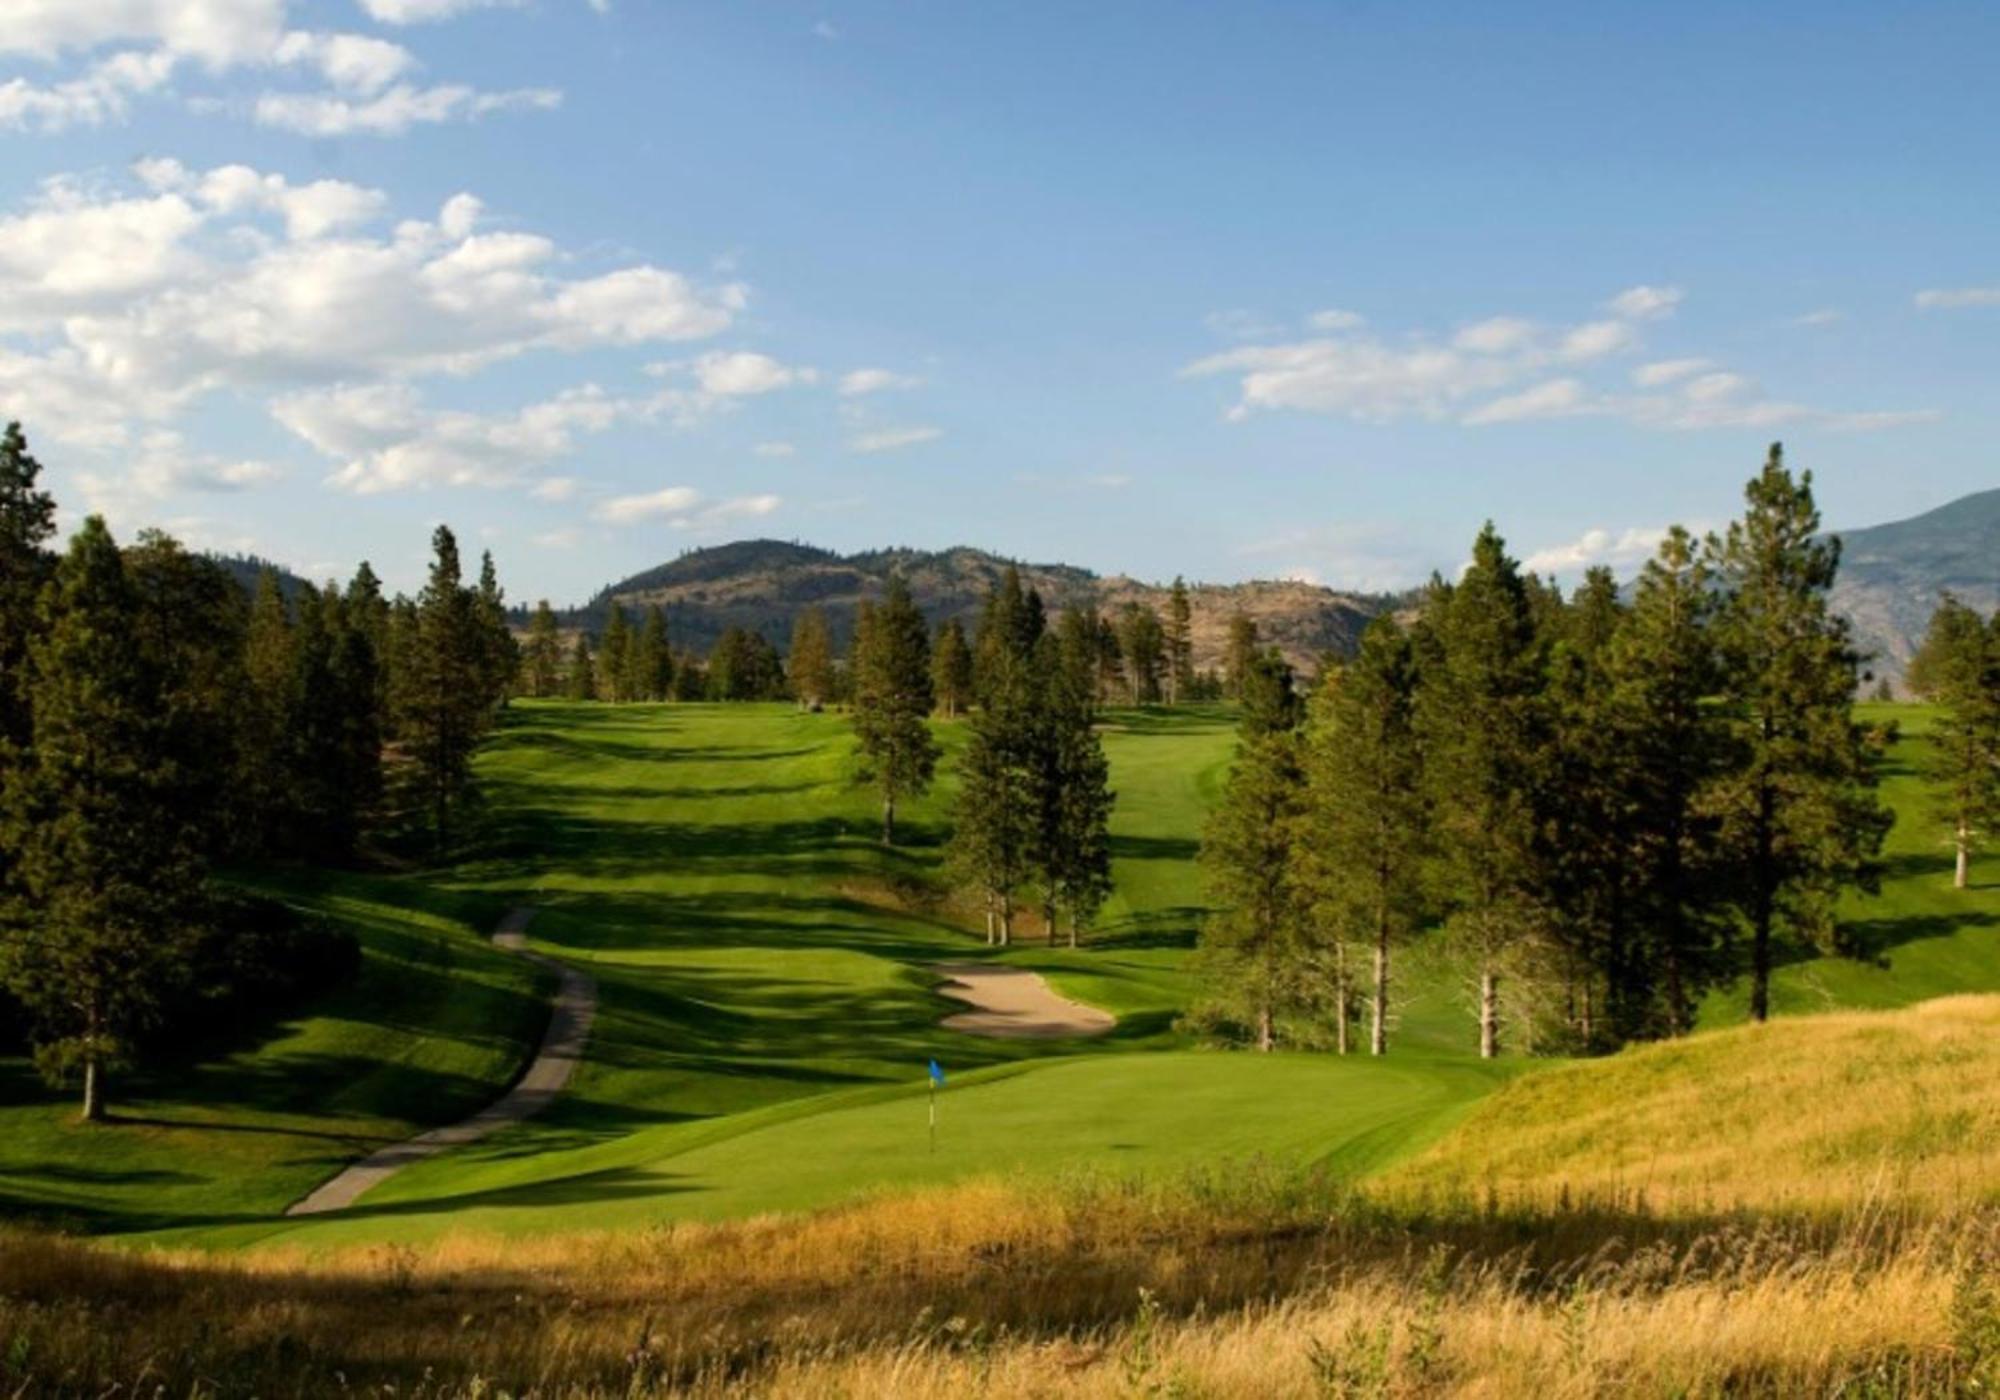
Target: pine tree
{"type": "Point", "coordinates": [1143, 643]}
{"type": "Point", "coordinates": [1250, 948]}
{"type": "Point", "coordinates": [1179, 643]}
{"type": "Point", "coordinates": [811, 660]}
{"type": "Point", "coordinates": [1363, 837]}
{"type": "Point", "coordinates": [1958, 669]}
{"type": "Point", "coordinates": [269, 701]}
{"type": "Point", "coordinates": [951, 670]}
{"type": "Point", "coordinates": [1269, 693]}
{"type": "Point", "coordinates": [499, 653]}
{"type": "Point", "coordinates": [107, 853]}
{"type": "Point", "coordinates": [1241, 655]}
{"type": "Point", "coordinates": [368, 613]}
{"type": "Point", "coordinates": [1672, 750]}
{"type": "Point", "coordinates": [1070, 793]}
{"type": "Point", "coordinates": [581, 682]}
{"type": "Point", "coordinates": [893, 701]}
{"type": "Point", "coordinates": [27, 522]}
{"type": "Point", "coordinates": [612, 648]}
{"type": "Point", "coordinates": [1798, 811]}
{"type": "Point", "coordinates": [659, 647]}
{"type": "Point", "coordinates": [1010, 623]}
{"type": "Point", "coordinates": [1480, 721]}
{"type": "Point", "coordinates": [444, 703]}
{"type": "Point", "coordinates": [993, 820]}
{"type": "Point", "coordinates": [356, 680]}
{"type": "Point", "coordinates": [544, 653]}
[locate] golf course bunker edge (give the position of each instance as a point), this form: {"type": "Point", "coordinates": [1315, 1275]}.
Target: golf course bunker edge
{"type": "Point", "coordinates": [1012, 1003]}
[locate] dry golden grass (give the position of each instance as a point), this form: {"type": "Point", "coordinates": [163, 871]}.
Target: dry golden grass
{"type": "Point", "coordinates": [1809, 1113]}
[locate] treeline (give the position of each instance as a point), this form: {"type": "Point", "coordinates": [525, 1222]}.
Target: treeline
{"type": "Point", "coordinates": [1597, 803]}
{"type": "Point", "coordinates": [155, 721]}
{"type": "Point", "coordinates": [1136, 656]}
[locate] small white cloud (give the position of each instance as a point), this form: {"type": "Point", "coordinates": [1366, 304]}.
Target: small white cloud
{"type": "Point", "coordinates": [875, 381]}
{"type": "Point", "coordinates": [1595, 339]}
{"type": "Point", "coordinates": [743, 373]}
{"type": "Point", "coordinates": [1498, 335]}
{"type": "Point", "coordinates": [1334, 318]}
{"type": "Point", "coordinates": [394, 111]}
{"type": "Point", "coordinates": [1661, 372]}
{"type": "Point", "coordinates": [554, 488]}
{"type": "Point", "coordinates": [682, 507]}
{"type": "Point", "coordinates": [1825, 316]}
{"type": "Point", "coordinates": [1623, 552]}
{"type": "Point", "coordinates": [1557, 398]}
{"type": "Point", "coordinates": [1644, 303]}
{"type": "Point", "coordinates": [775, 449]}
{"type": "Point", "coordinates": [1957, 298]}
{"type": "Point", "coordinates": [890, 439]}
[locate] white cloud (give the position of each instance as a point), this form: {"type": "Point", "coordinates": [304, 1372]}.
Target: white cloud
{"type": "Point", "coordinates": [1360, 378]}
{"type": "Point", "coordinates": [1659, 372]}
{"type": "Point", "coordinates": [682, 507]}
{"type": "Point", "coordinates": [890, 439]}
{"type": "Point", "coordinates": [875, 381]}
{"type": "Point", "coordinates": [1825, 316]}
{"type": "Point", "coordinates": [1596, 339]}
{"type": "Point", "coordinates": [395, 111]}
{"type": "Point", "coordinates": [775, 449]}
{"type": "Point", "coordinates": [1622, 552]}
{"type": "Point", "coordinates": [102, 94]}
{"type": "Point", "coordinates": [218, 32]}
{"type": "Point", "coordinates": [1498, 335]}
{"type": "Point", "coordinates": [356, 63]}
{"type": "Point", "coordinates": [132, 305]}
{"type": "Point", "coordinates": [1365, 556]}
{"type": "Point", "coordinates": [566, 538]}
{"type": "Point", "coordinates": [555, 488]}
{"type": "Point", "coordinates": [1957, 298]}
{"type": "Point", "coordinates": [1335, 319]}
{"type": "Point", "coordinates": [743, 373]}
{"type": "Point", "coordinates": [1556, 398]}
{"type": "Point", "coordinates": [1644, 303]}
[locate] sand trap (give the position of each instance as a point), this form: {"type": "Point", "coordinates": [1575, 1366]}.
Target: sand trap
{"type": "Point", "coordinates": [1015, 1004]}
{"type": "Point", "coordinates": [550, 1071]}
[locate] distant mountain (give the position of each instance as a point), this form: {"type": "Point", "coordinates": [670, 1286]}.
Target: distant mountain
{"type": "Point", "coordinates": [765, 584]}
{"type": "Point", "coordinates": [1891, 576]}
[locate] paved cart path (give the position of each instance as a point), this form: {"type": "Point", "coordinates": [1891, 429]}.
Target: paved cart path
{"type": "Point", "coordinates": [547, 1075]}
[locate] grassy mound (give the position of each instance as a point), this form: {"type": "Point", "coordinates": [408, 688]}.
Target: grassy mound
{"type": "Point", "coordinates": [1818, 1112]}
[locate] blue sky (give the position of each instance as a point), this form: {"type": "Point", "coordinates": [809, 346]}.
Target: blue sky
{"type": "Point", "coordinates": [1224, 290]}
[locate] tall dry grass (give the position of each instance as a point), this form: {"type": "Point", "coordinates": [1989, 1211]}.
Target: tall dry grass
{"type": "Point", "coordinates": [1253, 1284]}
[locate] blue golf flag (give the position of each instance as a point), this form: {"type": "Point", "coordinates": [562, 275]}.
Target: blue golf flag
{"type": "Point", "coordinates": [937, 1075]}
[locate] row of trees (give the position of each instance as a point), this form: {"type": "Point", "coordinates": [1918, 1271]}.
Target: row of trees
{"type": "Point", "coordinates": [1596, 802]}
{"type": "Point", "coordinates": [154, 720]}
{"type": "Point", "coordinates": [1958, 668]}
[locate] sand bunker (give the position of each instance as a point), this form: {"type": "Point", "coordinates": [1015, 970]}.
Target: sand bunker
{"type": "Point", "coordinates": [1013, 1003]}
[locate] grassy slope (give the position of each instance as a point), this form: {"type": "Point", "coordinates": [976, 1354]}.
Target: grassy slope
{"type": "Point", "coordinates": [766, 1005]}
{"type": "Point", "coordinates": [433, 1027]}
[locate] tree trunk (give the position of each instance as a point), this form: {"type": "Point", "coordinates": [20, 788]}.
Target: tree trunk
{"type": "Point", "coordinates": [1958, 879]}
{"type": "Point", "coordinates": [1264, 1037]}
{"type": "Point", "coordinates": [989, 918]}
{"type": "Point", "coordinates": [93, 1089]}
{"type": "Point", "coordinates": [888, 821]}
{"type": "Point", "coordinates": [1072, 928]}
{"type": "Point", "coordinates": [1049, 915]}
{"type": "Point", "coordinates": [1006, 921]}
{"type": "Point", "coordinates": [1378, 1018]}
{"type": "Point", "coordinates": [1340, 997]}
{"type": "Point", "coordinates": [1489, 1012]}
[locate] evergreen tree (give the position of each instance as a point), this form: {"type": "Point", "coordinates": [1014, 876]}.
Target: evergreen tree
{"type": "Point", "coordinates": [951, 670]}
{"type": "Point", "coordinates": [269, 701]}
{"type": "Point", "coordinates": [1480, 722]}
{"type": "Point", "coordinates": [107, 852]}
{"type": "Point", "coordinates": [1143, 643]}
{"type": "Point", "coordinates": [27, 522]}
{"type": "Point", "coordinates": [356, 679]}
{"type": "Point", "coordinates": [657, 644]}
{"type": "Point", "coordinates": [499, 653]}
{"type": "Point", "coordinates": [1251, 952]}
{"type": "Point", "coordinates": [1241, 655]}
{"type": "Point", "coordinates": [1671, 750]}
{"type": "Point", "coordinates": [613, 662]}
{"type": "Point", "coordinates": [1269, 694]}
{"type": "Point", "coordinates": [1010, 623]}
{"type": "Point", "coordinates": [1071, 793]}
{"type": "Point", "coordinates": [581, 682]}
{"type": "Point", "coordinates": [690, 679]}
{"type": "Point", "coordinates": [544, 653]}
{"type": "Point", "coordinates": [319, 820]}
{"type": "Point", "coordinates": [1798, 811]}
{"type": "Point", "coordinates": [811, 660]}
{"type": "Point", "coordinates": [993, 820]}
{"type": "Point", "coordinates": [1363, 838]}
{"type": "Point", "coordinates": [444, 704]}
{"type": "Point", "coordinates": [1958, 669]}
{"type": "Point", "coordinates": [892, 703]}
{"type": "Point", "coordinates": [1179, 643]}
{"type": "Point", "coordinates": [368, 613]}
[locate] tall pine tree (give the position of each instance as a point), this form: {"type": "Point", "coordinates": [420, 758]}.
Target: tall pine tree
{"type": "Point", "coordinates": [1958, 669]}
{"type": "Point", "coordinates": [893, 702]}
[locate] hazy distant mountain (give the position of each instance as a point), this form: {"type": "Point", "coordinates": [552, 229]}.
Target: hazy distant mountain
{"type": "Point", "coordinates": [1891, 576]}
{"type": "Point", "coordinates": [765, 584]}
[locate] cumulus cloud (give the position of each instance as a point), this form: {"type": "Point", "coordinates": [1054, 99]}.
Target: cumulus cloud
{"type": "Point", "coordinates": [1367, 556]}
{"type": "Point", "coordinates": [875, 381]}
{"type": "Point", "coordinates": [1622, 551]}
{"type": "Point", "coordinates": [744, 373]}
{"type": "Point", "coordinates": [891, 439]}
{"type": "Point", "coordinates": [1509, 369]}
{"type": "Point", "coordinates": [1957, 298]}
{"type": "Point", "coordinates": [101, 94]}
{"type": "Point", "coordinates": [217, 32]}
{"type": "Point", "coordinates": [395, 111]}
{"type": "Point", "coordinates": [1644, 303]}
{"type": "Point", "coordinates": [682, 507]}
{"type": "Point", "coordinates": [145, 301]}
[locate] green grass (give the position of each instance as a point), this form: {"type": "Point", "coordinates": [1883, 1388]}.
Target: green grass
{"type": "Point", "coordinates": [767, 1005]}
